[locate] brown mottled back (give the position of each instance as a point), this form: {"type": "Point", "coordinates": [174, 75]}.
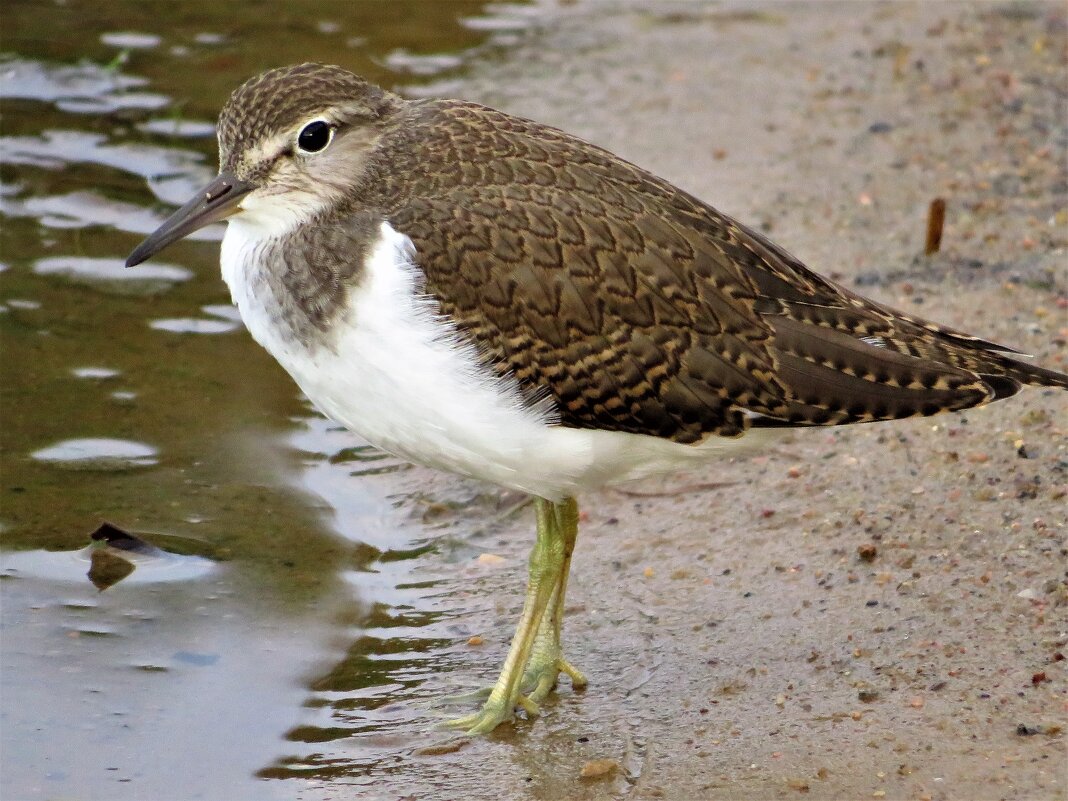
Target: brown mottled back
{"type": "Point", "coordinates": [632, 305]}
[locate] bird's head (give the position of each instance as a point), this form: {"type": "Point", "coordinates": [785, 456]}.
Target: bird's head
{"type": "Point", "coordinates": [292, 142]}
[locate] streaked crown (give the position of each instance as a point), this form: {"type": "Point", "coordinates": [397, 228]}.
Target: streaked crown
{"type": "Point", "coordinates": [275, 101]}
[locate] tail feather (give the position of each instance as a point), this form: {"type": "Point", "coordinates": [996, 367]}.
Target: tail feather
{"type": "Point", "coordinates": [864, 365]}
{"type": "Point", "coordinates": [1025, 373]}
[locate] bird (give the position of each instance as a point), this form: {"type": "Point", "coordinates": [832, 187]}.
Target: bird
{"type": "Point", "coordinates": [483, 294]}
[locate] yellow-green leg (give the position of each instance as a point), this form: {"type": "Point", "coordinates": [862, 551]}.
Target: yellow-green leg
{"type": "Point", "coordinates": [547, 658]}
{"type": "Point", "coordinates": [539, 624]}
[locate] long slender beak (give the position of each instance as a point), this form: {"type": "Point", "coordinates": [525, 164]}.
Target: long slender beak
{"type": "Point", "coordinates": [216, 201]}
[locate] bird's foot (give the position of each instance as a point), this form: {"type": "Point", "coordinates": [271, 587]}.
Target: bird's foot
{"type": "Point", "coordinates": [543, 670]}
{"type": "Point", "coordinates": [539, 678]}
{"type": "Point", "coordinates": [498, 709]}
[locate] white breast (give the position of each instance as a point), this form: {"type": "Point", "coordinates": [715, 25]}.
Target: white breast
{"type": "Point", "coordinates": [399, 375]}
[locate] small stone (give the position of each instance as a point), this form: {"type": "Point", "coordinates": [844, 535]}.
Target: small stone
{"type": "Point", "coordinates": [475, 639]}
{"type": "Point", "coordinates": [867, 552]}
{"type": "Point", "coordinates": [917, 702]}
{"type": "Point", "coordinates": [489, 559]}
{"type": "Point", "coordinates": [447, 747]}
{"type": "Point", "coordinates": [648, 572]}
{"type": "Point", "coordinates": [599, 768]}
{"type": "Point", "coordinates": [797, 784]}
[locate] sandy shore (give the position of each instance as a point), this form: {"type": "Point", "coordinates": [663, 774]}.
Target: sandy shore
{"type": "Point", "coordinates": [875, 612]}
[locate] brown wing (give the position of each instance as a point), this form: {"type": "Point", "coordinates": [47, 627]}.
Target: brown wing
{"type": "Point", "coordinates": [638, 308]}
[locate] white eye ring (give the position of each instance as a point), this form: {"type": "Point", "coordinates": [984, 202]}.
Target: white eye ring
{"type": "Point", "coordinates": [315, 137]}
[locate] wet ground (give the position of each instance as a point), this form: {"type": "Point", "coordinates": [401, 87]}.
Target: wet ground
{"type": "Point", "coordinates": [870, 612]}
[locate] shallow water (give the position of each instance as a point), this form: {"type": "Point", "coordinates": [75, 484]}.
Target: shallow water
{"type": "Point", "coordinates": [292, 622]}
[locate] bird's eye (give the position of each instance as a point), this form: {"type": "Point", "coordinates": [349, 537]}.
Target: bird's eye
{"type": "Point", "coordinates": [314, 136]}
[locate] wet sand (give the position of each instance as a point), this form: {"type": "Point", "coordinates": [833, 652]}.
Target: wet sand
{"type": "Point", "coordinates": [871, 612]}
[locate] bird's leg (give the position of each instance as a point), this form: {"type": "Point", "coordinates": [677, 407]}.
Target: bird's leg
{"type": "Point", "coordinates": [546, 560]}
{"type": "Point", "coordinates": [547, 659]}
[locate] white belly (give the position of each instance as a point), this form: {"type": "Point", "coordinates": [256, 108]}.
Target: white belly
{"type": "Point", "coordinates": [396, 373]}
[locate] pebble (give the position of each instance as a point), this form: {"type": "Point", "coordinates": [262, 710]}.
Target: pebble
{"type": "Point", "coordinates": [437, 749]}
{"type": "Point", "coordinates": [599, 768]}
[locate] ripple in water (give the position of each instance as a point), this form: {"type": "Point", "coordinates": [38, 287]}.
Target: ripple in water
{"type": "Point", "coordinates": [95, 373]}
{"type": "Point", "coordinates": [195, 325]}
{"type": "Point", "coordinates": [71, 566]}
{"type": "Point", "coordinates": [81, 210]}
{"type": "Point", "coordinates": [130, 40]}
{"type": "Point", "coordinates": [98, 454]}
{"type": "Point", "coordinates": [186, 129]}
{"type": "Point", "coordinates": [226, 311]}
{"type": "Point", "coordinates": [112, 277]}
{"type": "Point", "coordinates": [20, 303]}
{"type": "Point", "coordinates": [57, 148]}
{"type": "Point", "coordinates": [84, 88]}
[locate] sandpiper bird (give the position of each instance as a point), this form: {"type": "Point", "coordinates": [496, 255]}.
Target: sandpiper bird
{"type": "Point", "coordinates": [483, 294]}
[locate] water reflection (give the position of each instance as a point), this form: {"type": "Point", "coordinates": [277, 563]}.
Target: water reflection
{"type": "Point", "coordinates": [84, 88]}
{"type": "Point", "coordinates": [195, 325]}
{"type": "Point", "coordinates": [110, 276]}
{"type": "Point", "coordinates": [97, 453]}
{"type": "Point", "coordinates": [296, 616]}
